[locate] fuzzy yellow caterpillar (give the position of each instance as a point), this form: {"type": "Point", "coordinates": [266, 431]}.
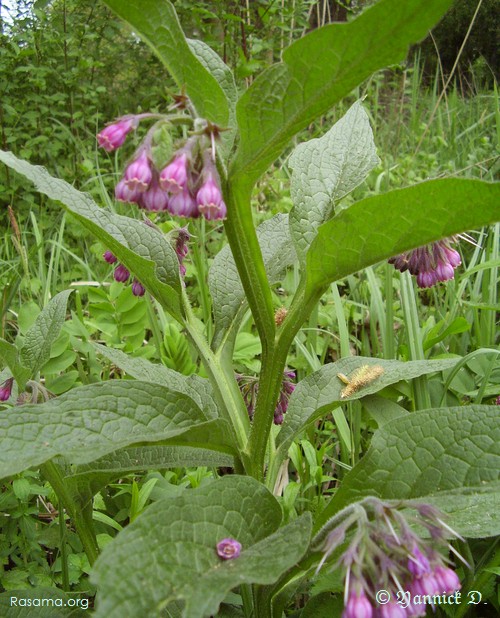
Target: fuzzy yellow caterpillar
{"type": "Point", "coordinates": [362, 376]}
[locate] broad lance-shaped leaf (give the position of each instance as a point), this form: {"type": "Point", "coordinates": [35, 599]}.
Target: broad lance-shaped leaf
{"type": "Point", "coordinates": [174, 547]}
{"type": "Point", "coordinates": [46, 329]}
{"type": "Point", "coordinates": [91, 478]}
{"type": "Point", "coordinates": [473, 511]}
{"type": "Point", "coordinates": [155, 21]}
{"type": "Point", "coordinates": [223, 74]}
{"type": "Point", "coordinates": [9, 356]}
{"type": "Point", "coordinates": [224, 282]}
{"type": "Point", "coordinates": [318, 71]}
{"type": "Point", "coordinates": [320, 392]}
{"type": "Point", "coordinates": [382, 226]}
{"type": "Point", "coordinates": [142, 249]}
{"type": "Point", "coordinates": [199, 389]}
{"type": "Point", "coordinates": [325, 170]}
{"type": "Point", "coordinates": [91, 421]}
{"type": "Point", "coordinates": [424, 453]}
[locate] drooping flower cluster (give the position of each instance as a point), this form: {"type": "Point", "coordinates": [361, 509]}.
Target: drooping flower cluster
{"type": "Point", "coordinates": [179, 239]}
{"type": "Point", "coordinates": [249, 387]}
{"type": "Point", "coordinates": [390, 571]}
{"type": "Point", "coordinates": [430, 264]}
{"type": "Point", "coordinates": [186, 186]}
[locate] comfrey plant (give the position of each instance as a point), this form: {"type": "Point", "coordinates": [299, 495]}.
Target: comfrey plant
{"type": "Point", "coordinates": [183, 555]}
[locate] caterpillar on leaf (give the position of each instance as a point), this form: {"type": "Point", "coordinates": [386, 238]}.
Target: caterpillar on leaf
{"type": "Point", "coordinates": [362, 376]}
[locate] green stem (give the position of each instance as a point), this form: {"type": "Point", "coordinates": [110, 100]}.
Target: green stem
{"type": "Point", "coordinates": [225, 386]}
{"type": "Point", "coordinates": [249, 262]}
{"type": "Point", "coordinates": [414, 338]}
{"type": "Point", "coordinates": [78, 514]}
{"type": "Point", "coordinates": [64, 548]}
{"type": "Point", "coordinates": [271, 377]}
{"type": "Point", "coordinates": [199, 261]}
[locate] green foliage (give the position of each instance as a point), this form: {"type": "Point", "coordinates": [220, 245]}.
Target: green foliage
{"type": "Point", "coordinates": [163, 396]}
{"type": "Point", "coordinates": [182, 541]}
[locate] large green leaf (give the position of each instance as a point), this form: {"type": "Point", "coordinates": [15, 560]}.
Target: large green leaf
{"type": "Point", "coordinates": [325, 170]}
{"type": "Point", "coordinates": [379, 227]}
{"type": "Point", "coordinates": [91, 478]}
{"type": "Point", "coordinates": [39, 338]}
{"type": "Point", "coordinates": [319, 70]}
{"type": "Point", "coordinates": [427, 452]}
{"type": "Point", "coordinates": [320, 392]}
{"type": "Point", "coordinates": [91, 421]}
{"type": "Point", "coordinates": [143, 249]}
{"type": "Point", "coordinates": [225, 285]}
{"type": "Point", "coordinates": [199, 389]}
{"type": "Point", "coordinates": [174, 547]}
{"type": "Point", "coordinates": [155, 21]}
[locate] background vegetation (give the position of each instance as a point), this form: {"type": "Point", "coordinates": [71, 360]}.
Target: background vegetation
{"type": "Point", "coordinates": [67, 68]}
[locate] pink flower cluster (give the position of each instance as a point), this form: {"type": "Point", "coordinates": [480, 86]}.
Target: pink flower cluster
{"type": "Point", "coordinates": [188, 186]}
{"type": "Point", "coordinates": [385, 554]}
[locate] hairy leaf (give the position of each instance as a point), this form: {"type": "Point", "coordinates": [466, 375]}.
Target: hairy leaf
{"type": "Point", "coordinates": [94, 476]}
{"type": "Point", "coordinates": [325, 170]}
{"type": "Point", "coordinates": [223, 279]}
{"type": "Point", "coordinates": [90, 421]}
{"type": "Point", "coordinates": [174, 547]}
{"type": "Point", "coordinates": [46, 329]}
{"type": "Point", "coordinates": [427, 452]}
{"type": "Point", "coordinates": [155, 21]}
{"type": "Point", "coordinates": [381, 226]}
{"type": "Point", "coordinates": [223, 74]}
{"type": "Point", "coordinates": [199, 389]}
{"type": "Point", "coordinates": [320, 392]}
{"type": "Point", "coordinates": [142, 249]}
{"type": "Point", "coordinates": [319, 70]}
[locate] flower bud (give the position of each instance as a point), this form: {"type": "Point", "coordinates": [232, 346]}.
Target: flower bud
{"type": "Point", "coordinates": [137, 288]}
{"type": "Point", "coordinates": [358, 606]}
{"type": "Point", "coordinates": [138, 174]}
{"type": "Point", "coordinates": [155, 198]}
{"type": "Point", "coordinates": [183, 205]}
{"type": "Point", "coordinates": [447, 579]}
{"type": "Point", "coordinates": [114, 135]}
{"type": "Point", "coordinates": [209, 199]}
{"type": "Point", "coordinates": [121, 274]}
{"type": "Point", "coordinates": [174, 177]}
{"type": "Point", "coordinates": [109, 257]}
{"type": "Point", "coordinates": [228, 549]}
{"type": "Point", "coordinates": [6, 389]}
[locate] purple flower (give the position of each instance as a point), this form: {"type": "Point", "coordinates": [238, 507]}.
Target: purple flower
{"type": "Point", "coordinates": [121, 274]}
{"type": "Point", "coordinates": [109, 257]}
{"type": "Point", "coordinates": [418, 563]}
{"type": "Point", "coordinates": [6, 389]}
{"type": "Point", "coordinates": [209, 199]}
{"type": "Point", "coordinates": [430, 264]}
{"type": "Point", "coordinates": [447, 579]}
{"type": "Point", "coordinates": [357, 606]}
{"type": "Point", "coordinates": [138, 174]}
{"type": "Point", "coordinates": [155, 198]}
{"type": "Point", "coordinates": [174, 177]}
{"type": "Point", "coordinates": [228, 549]}
{"type": "Point", "coordinates": [181, 247]}
{"type": "Point", "coordinates": [391, 610]}
{"type": "Point", "coordinates": [137, 288]}
{"type": "Point", "coordinates": [114, 135]}
{"type": "Point", "coordinates": [124, 194]}
{"type": "Point", "coordinates": [183, 205]}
